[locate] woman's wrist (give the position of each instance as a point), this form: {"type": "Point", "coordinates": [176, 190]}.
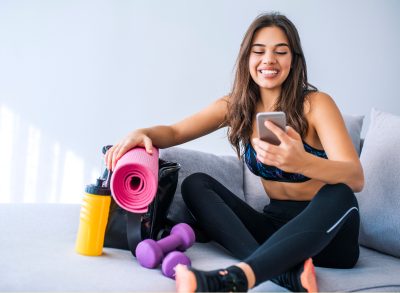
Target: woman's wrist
{"type": "Point", "coordinates": [306, 163]}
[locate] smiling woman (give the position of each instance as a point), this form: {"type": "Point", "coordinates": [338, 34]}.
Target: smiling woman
{"type": "Point", "coordinates": [315, 168]}
{"type": "Point", "coordinates": [271, 53]}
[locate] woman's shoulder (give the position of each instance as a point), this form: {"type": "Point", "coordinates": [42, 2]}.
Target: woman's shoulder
{"type": "Point", "coordinates": [318, 97]}
{"type": "Point", "coordinates": [320, 106]}
{"type": "Point", "coordinates": [316, 102]}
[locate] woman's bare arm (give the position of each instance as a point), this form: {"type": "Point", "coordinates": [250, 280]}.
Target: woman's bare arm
{"type": "Point", "coordinates": [163, 136]}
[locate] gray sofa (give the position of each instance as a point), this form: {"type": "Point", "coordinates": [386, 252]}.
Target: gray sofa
{"type": "Point", "coordinates": [37, 240]}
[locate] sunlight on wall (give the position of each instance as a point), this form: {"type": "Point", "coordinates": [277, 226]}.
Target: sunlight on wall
{"type": "Point", "coordinates": [94, 175]}
{"type": "Point", "coordinates": [7, 126]}
{"type": "Point", "coordinates": [35, 168]}
{"type": "Point", "coordinates": [32, 164]}
{"type": "Point", "coordinates": [55, 173]}
{"type": "Point", "coordinates": [72, 182]}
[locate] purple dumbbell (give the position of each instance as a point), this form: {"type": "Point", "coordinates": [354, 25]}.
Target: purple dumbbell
{"type": "Point", "coordinates": [150, 253]}
{"type": "Point", "coordinates": [171, 260]}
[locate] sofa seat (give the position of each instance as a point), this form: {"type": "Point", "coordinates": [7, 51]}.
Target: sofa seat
{"type": "Point", "coordinates": [37, 254]}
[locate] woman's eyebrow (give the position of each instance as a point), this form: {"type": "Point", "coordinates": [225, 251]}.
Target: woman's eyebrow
{"type": "Point", "coordinates": [277, 45]}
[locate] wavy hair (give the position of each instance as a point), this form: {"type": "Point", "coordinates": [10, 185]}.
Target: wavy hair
{"type": "Point", "coordinates": [245, 92]}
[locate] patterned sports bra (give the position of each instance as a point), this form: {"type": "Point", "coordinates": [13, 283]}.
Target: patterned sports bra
{"type": "Point", "coordinates": [274, 173]}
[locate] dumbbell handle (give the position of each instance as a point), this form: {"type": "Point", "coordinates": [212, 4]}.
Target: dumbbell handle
{"type": "Point", "coordinates": [170, 243]}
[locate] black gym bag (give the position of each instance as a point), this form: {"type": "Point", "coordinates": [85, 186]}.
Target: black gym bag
{"type": "Point", "coordinates": [126, 229]}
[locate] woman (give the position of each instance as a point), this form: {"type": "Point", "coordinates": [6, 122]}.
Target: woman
{"type": "Point", "coordinates": [310, 177]}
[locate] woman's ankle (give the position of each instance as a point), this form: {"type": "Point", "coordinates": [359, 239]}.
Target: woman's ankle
{"type": "Point", "coordinates": [231, 279]}
{"type": "Point", "coordinates": [249, 273]}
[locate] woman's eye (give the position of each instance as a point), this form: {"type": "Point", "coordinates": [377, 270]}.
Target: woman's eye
{"type": "Point", "coordinates": [281, 53]}
{"type": "Point", "coordinates": [258, 52]}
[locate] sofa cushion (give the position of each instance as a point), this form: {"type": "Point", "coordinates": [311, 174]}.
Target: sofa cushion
{"type": "Point", "coordinates": [226, 169]}
{"type": "Point", "coordinates": [354, 125]}
{"type": "Point", "coordinates": [380, 199]}
{"type": "Point", "coordinates": [253, 190]}
{"type": "Point", "coordinates": [374, 271]}
{"type": "Point", "coordinates": [37, 254]}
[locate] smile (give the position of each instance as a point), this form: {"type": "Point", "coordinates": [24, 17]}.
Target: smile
{"type": "Point", "coordinates": [268, 72]}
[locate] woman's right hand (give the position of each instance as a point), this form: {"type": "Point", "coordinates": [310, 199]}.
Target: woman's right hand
{"type": "Point", "coordinates": [133, 139]}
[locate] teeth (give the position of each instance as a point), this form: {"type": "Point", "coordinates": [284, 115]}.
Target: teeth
{"type": "Point", "coordinates": [269, 71]}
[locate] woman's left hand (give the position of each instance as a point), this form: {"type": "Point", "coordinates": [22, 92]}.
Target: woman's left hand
{"type": "Point", "coordinates": [289, 155]}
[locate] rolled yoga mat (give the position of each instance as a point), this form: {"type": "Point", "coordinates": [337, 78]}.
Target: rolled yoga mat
{"type": "Point", "coordinates": [134, 181]}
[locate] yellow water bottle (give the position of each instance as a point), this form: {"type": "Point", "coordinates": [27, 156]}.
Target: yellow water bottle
{"type": "Point", "coordinates": [93, 219]}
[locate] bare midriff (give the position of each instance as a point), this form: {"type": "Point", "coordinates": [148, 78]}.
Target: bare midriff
{"type": "Point", "coordinates": [292, 191]}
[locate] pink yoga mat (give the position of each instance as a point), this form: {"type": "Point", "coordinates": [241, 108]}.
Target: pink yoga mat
{"type": "Point", "coordinates": [134, 181]}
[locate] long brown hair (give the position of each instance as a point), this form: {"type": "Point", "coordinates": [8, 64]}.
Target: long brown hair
{"type": "Point", "coordinates": [245, 92]}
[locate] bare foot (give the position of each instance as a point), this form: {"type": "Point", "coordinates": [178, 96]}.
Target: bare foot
{"type": "Point", "coordinates": [185, 279]}
{"type": "Point", "coordinates": [308, 278]}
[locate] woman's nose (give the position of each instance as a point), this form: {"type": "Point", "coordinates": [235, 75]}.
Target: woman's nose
{"type": "Point", "coordinates": [269, 58]}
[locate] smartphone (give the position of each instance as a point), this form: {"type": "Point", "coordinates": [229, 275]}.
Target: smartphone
{"type": "Point", "coordinates": [278, 118]}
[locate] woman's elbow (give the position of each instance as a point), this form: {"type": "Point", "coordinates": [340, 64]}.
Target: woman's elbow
{"type": "Point", "coordinates": [358, 182]}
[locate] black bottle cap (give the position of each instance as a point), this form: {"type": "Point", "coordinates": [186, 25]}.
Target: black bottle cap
{"type": "Point", "coordinates": [97, 189]}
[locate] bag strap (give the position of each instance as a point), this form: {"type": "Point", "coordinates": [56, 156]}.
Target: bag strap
{"type": "Point", "coordinates": [133, 231]}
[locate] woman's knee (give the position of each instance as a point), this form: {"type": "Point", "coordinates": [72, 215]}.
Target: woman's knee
{"type": "Point", "coordinates": [193, 183]}
{"type": "Point", "coordinates": [341, 192]}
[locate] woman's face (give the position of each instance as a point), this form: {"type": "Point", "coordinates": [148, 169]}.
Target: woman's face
{"type": "Point", "coordinates": [270, 58]}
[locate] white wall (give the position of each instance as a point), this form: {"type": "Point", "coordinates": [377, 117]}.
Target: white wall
{"type": "Point", "coordinates": [76, 75]}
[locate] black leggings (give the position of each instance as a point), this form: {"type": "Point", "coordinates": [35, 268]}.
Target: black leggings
{"type": "Point", "coordinates": [285, 234]}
